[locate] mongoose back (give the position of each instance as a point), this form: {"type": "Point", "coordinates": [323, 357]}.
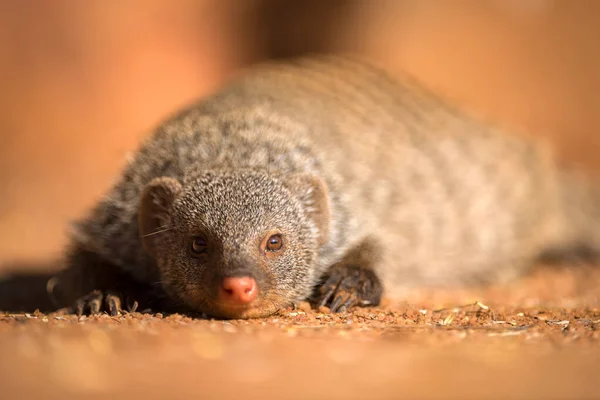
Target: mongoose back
{"type": "Point", "coordinates": [321, 178]}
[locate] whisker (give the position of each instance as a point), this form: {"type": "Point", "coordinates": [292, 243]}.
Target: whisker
{"type": "Point", "coordinates": [157, 232]}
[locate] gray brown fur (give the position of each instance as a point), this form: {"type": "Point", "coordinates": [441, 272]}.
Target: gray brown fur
{"type": "Point", "coordinates": [437, 197]}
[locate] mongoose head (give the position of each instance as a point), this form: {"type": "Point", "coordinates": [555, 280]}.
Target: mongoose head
{"type": "Point", "coordinates": [236, 244]}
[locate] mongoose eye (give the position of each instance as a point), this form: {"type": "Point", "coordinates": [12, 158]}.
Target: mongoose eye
{"type": "Point", "coordinates": [199, 245]}
{"type": "Point", "coordinates": [274, 243]}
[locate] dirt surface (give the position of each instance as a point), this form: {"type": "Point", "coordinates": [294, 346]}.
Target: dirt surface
{"type": "Point", "coordinates": [537, 338]}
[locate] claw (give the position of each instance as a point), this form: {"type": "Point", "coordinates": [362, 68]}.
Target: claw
{"type": "Point", "coordinates": [341, 301]}
{"type": "Point", "coordinates": [94, 307]}
{"type": "Point", "coordinates": [335, 304]}
{"type": "Point", "coordinates": [113, 302]}
{"type": "Point", "coordinates": [349, 303]}
{"type": "Point", "coordinates": [79, 307]}
{"type": "Point", "coordinates": [328, 295]}
{"type": "Point", "coordinates": [99, 301]}
{"type": "Point", "coordinates": [132, 307]}
{"type": "Point", "coordinates": [95, 304]}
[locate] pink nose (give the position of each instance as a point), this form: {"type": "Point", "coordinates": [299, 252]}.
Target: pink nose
{"type": "Point", "coordinates": [238, 290]}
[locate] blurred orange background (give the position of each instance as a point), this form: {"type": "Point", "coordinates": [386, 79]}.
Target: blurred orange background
{"type": "Point", "coordinates": [84, 82]}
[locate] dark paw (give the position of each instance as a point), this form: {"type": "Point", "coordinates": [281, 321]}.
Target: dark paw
{"type": "Point", "coordinates": [110, 301]}
{"type": "Point", "coordinates": [346, 286]}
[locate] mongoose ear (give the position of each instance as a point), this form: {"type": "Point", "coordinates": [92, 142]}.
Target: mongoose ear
{"type": "Point", "coordinates": [312, 192]}
{"type": "Point", "coordinates": [155, 205]}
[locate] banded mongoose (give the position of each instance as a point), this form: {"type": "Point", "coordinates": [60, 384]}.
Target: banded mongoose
{"type": "Point", "coordinates": [320, 178]}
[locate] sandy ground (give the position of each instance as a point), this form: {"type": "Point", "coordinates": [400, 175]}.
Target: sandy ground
{"type": "Point", "coordinates": [537, 338]}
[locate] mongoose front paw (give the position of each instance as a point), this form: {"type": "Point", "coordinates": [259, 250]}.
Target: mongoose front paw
{"type": "Point", "coordinates": [346, 286]}
{"type": "Point", "coordinates": [110, 301]}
